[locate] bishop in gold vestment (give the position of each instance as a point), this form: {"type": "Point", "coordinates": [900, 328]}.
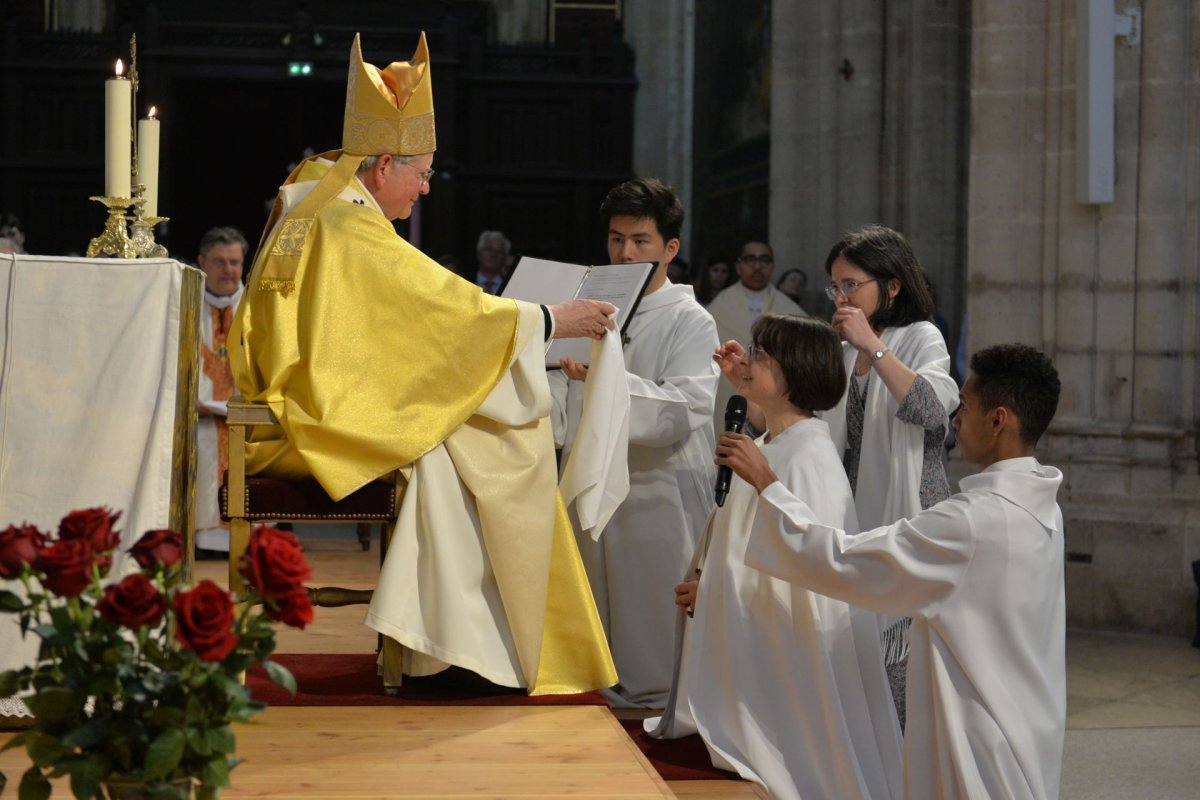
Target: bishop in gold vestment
{"type": "Point", "coordinates": [375, 358]}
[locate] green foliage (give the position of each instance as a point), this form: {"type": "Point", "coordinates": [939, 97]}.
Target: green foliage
{"type": "Point", "coordinates": [130, 703]}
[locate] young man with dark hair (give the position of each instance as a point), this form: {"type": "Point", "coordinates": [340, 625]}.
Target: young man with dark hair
{"type": "Point", "coordinates": [672, 380]}
{"type": "Point", "coordinates": [981, 574]}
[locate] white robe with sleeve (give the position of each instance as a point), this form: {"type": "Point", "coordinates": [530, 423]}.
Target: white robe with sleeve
{"type": "Point", "coordinates": [785, 686]}
{"type": "Point", "coordinates": [647, 543]}
{"type": "Point", "coordinates": [211, 532]}
{"type": "Point", "coordinates": [981, 574]}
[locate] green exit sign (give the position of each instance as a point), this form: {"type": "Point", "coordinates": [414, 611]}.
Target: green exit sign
{"type": "Point", "coordinates": [300, 69]}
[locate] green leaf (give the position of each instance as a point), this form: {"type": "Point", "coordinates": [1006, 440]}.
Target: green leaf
{"type": "Point", "coordinates": [45, 631]}
{"type": "Point", "coordinates": [10, 682]}
{"type": "Point", "coordinates": [198, 741]}
{"type": "Point", "coordinates": [42, 748]}
{"type": "Point", "coordinates": [167, 717]}
{"type": "Point", "coordinates": [16, 741]}
{"type": "Point", "coordinates": [85, 776]}
{"type": "Point", "coordinates": [222, 740]}
{"type": "Point", "coordinates": [11, 602]}
{"type": "Point", "coordinates": [88, 735]}
{"type": "Point", "coordinates": [34, 785]}
{"type": "Point", "coordinates": [164, 753]}
{"type": "Point", "coordinates": [54, 704]}
{"type": "Point", "coordinates": [215, 772]}
{"type": "Point", "coordinates": [280, 675]}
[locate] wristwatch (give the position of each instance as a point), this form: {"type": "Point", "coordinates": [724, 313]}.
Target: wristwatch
{"type": "Point", "coordinates": [878, 354]}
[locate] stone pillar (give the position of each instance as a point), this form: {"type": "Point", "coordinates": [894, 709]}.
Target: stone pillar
{"type": "Point", "coordinates": [1109, 291]}
{"type": "Point", "coordinates": [662, 34]}
{"type": "Point", "coordinates": [868, 124]}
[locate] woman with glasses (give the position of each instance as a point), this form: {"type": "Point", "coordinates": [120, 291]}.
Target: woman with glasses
{"type": "Point", "coordinates": [891, 422]}
{"type": "Point", "coordinates": [785, 686]}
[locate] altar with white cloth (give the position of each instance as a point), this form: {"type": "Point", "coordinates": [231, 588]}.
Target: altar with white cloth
{"type": "Point", "coordinates": [97, 400]}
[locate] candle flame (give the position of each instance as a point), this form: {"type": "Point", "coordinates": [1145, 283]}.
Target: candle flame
{"type": "Point", "coordinates": [153, 112]}
{"type": "Point", "coordinates": [120, 68]}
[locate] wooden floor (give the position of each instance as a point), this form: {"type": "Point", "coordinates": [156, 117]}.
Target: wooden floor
{"type": "Point", "coordinates": [422, 752]}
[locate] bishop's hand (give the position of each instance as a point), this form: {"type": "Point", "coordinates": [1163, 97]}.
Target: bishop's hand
{"type": "Point", "coordinates": [582, 318]}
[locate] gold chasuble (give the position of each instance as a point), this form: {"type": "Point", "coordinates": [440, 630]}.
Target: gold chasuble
{"type": "Point", "coordinates": [375, 358]}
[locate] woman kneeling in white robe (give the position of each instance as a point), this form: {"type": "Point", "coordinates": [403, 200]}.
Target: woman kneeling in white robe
{"type": "Point", "coordinates": [786, 687]}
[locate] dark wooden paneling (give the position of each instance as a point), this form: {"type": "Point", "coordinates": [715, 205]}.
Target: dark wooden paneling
{"type": "Point", "coordinates": [529, 138]}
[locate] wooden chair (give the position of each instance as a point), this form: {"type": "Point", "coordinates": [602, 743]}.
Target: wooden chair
{"type": "Point", "coordinates": [246, 500]}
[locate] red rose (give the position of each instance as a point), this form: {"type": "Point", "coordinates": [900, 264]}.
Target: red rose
{"type": "Point", "coordinates": [294, 608]}
{"type": "Point", "coordinates": [67, 565]}
{"type": "Point", "coordinates": [158, 547]}
{"type": "Point", "coordinates": [133, 602]}
{"type": "Point", "coordinates": [204, 621]}
{"type": "Point", "coordinates": [94, 526]}
{"type": "Point", "coordinates": [274, 563]}
{"type": "Point", "coordinates": [19, 546]}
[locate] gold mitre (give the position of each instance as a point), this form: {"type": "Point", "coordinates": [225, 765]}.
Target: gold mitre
{"type": "Point", "coordinates": [389, 109]}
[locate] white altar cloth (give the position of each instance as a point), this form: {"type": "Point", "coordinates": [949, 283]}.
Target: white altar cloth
{"type": "Point", "coordinates": [88, 367]}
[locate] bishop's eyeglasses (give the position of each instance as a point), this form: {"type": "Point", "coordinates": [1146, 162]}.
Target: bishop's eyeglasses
{"type": "Point", "coordinates": [423, 174]}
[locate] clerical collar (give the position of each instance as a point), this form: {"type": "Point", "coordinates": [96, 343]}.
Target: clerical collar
{"type": "Point", "coordinates": [755, 294]}
{"type": "Point", "coordinates": [223, 301]}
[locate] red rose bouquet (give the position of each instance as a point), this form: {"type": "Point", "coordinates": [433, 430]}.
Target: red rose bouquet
{"type": "Point", "coordinates": [138, 680]}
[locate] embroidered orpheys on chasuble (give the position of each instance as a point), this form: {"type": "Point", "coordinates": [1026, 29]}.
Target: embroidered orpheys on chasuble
{"type": "Point", "coordinates": [375, 358]}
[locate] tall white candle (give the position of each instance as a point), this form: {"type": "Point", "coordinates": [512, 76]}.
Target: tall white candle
{"type": "Point", "coordinates": [118, 114]}
{"type": "Point", "coordinates": [148, 129]}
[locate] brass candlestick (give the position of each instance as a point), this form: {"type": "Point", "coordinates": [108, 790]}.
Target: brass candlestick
{"type": "Point", "coordinates": [114, 240]}
{"type": "Point", "coordinates": [143, 228]}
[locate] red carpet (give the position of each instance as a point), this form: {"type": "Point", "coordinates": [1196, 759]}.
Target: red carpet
{"type": "Point", "coordinates": [351, 680]}
{"type": "Point", "coordinates": [683, 759]}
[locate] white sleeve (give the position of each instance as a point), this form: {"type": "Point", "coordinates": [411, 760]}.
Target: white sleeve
{"type": "Point", "coordinates": [903, 569]}
{"type": "Point", "coordinates": [667, 410]}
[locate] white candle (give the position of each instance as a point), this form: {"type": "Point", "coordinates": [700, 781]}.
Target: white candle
{"type": "Point", "coordinates": [148, 128]}
{"type": "Point", "coordinates": [118, 110]}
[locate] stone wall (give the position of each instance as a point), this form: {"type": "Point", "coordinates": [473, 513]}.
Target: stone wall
{"type": "Point", "coordinates": [1109, 291]}
{"type": "Point", "coordinates": [869, 124]}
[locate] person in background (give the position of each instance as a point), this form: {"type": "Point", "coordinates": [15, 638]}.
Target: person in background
{"type": "Point", "coordinates": [793, 283]}
{"type": "Point", "coordinates": [980, 574]}
{"type": "Point", "coordinates": [892, 420]}
{"type": "Point", "coordinates": [221, 257]}
{"type": "Point", "coordinates": [672, 380]}
{"type": "Point", "coordinates": [785, 686]}
{"type": "Point", "coordinates": [714, 278]}
{"type": "Point", "coordinates": [491, 260]}
{"type": "Point", "coordinates": [678, 271]}
{"type": "Point", "coordinates": [12, 230]}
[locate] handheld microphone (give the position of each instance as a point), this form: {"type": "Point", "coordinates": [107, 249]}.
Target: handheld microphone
{"type": "Point", "coordinates": [735, 418]}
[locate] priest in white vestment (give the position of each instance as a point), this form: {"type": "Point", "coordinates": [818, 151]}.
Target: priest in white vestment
{"type": "Point", "coordinates": [672, 381]}
{"type": "Point", "coordinates": [220, 257]}
{"type": "Point", "coordinates": [785, 686]}
{"type": "Point", "coordinates": [981, 575]}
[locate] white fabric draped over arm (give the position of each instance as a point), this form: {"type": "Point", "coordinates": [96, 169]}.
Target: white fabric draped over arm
{"type": "Point", "coordinates": [596, 473]}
